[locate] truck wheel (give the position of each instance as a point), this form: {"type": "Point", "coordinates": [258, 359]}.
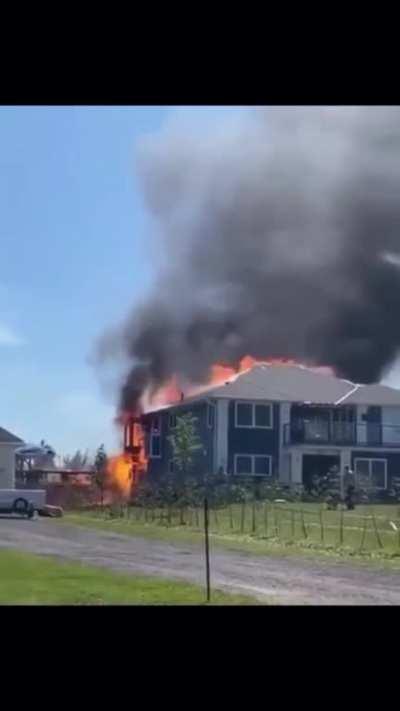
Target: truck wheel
{"type": "Point", "coordinates": [20, 506]}
{"type": "Point", "coordinates": [31, 511]}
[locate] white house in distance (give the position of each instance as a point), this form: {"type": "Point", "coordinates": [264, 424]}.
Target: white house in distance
{"type": "Point", "coordinates": [8, 444]}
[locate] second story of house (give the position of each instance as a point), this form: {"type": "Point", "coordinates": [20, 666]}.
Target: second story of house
{"type": "Point", "coordinates": [249, 421]}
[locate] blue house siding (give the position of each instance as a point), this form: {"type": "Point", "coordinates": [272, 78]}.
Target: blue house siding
{"type": "Point", "coordinates": [243, 440]}
{"type": "Point", "coordinates": [203, 464]}
{"type": "Point", "coordinates": [392, 459]}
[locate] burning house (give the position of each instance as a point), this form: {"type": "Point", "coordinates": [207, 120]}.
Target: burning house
{"type": "Point", "coordinates": [277, 234]}
{"type": "Point", "coordinates": [286, 422]}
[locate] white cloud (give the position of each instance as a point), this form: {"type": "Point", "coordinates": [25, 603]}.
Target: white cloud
{"type": "Point", "coordinates": [8, 337]}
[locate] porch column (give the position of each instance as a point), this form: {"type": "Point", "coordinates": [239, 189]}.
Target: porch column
{"type": "Point", "coordinates": [221, 435]}
{"type": "Point", "coordinates": [345, 459]}
{"type": "Point", "coordinates": [284, 421]}
{"type": "Point", "coordinates": [297, 467]}
{"type": "Point", "coordinates": [284, 466]}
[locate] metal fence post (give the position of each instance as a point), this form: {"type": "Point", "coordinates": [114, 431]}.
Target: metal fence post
{"type": "Point", "coordinates": [207, 548]}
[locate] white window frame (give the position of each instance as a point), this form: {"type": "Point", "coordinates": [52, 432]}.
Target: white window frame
{"type": "Point", "coordinates": [370, 460]}
{"type": "Point", "coordinates": [155, 433]}
{"type": "Point", "coordinates": [252, 457]}
{"type": "Point", "coordinates": [253, 426]}
{"type": "Point", "coordinates": [172, 420]}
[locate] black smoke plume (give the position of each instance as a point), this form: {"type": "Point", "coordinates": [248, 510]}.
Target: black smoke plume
{"type": "Point", "coordinates": [278, 235]}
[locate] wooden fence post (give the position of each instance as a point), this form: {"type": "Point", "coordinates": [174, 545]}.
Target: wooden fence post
{"type": "Point", "coordinates": [363, 533]}
{"type": "Point", "coordinates": [275, 523]}
{"type": "Point", "coordinates": [303, 524]}
{"type": "Point", "coordinates": [231, 517]}
{"type": "Point", "coordinates": [242, 516]}
{"type": "Point", "coordinates": [253, 517]}
{"type": "Point", "coordinates": [216, 519]}
{"type": "Point", "coordinates": [380, 544]}
{"type": "Point", "coordinates": [321, 520]}
{"type": "Point", "coordinates": [266, 518]}
{"type": "Point", "coordinates": [341, 527]}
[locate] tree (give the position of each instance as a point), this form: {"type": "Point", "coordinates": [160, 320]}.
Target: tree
{"type": "Point", "coordinates": [100, 466]}
{"type": "Point", "coordinates": [76, 461]}
{"type": "Point", "coordinates": [185, 443]}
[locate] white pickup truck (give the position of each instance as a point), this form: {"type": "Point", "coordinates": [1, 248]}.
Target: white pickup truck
{"type": "Point", "coordinates": [22, 501]}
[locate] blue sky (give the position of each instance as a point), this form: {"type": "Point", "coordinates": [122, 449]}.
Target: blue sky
{"type": "Point", "coordinates": [73, 259]}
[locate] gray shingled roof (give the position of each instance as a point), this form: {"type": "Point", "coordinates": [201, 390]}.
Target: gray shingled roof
{"type": "Point", "coordinates": [291, 383]}
{"type": "Point", "coordinates": [374, 395]}
{"type": "Point", "coordinates": [6, 436]}
{"type": "Point", "coordinates": [283, 383]}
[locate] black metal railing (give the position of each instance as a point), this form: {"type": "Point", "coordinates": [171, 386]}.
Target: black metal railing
{"type": "Point", "coordinates": [369, 434]}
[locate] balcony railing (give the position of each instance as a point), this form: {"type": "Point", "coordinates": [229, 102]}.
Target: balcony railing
{"type": "Point", "coordinates": [369, 434]}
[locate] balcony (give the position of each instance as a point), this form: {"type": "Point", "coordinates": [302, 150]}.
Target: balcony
{"type": "Point", "coordinates": [353, 434]}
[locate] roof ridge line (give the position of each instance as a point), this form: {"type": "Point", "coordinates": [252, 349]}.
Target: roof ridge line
{"type": "Point", "coordinates": [344, 397]}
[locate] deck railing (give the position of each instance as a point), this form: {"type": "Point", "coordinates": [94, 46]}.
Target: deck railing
{"type": "Point", "coordinates": [369, 434]}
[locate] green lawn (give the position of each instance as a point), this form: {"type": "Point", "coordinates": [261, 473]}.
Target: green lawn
{"type": "Point", "coordinates": [27, 579]}
{"type": "Point", "coordinates": [365, 534]}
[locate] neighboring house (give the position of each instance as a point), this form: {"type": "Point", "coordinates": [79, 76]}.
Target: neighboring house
{"type": "Point", "coordinates": [8, 444]}
{"type": "Point", "coordinates": [288, 422]}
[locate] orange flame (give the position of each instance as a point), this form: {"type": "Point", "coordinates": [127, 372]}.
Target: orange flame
{"type": "Point", "coordinates": [119, 470]}
{"type": "Point", "coordinates": [171, 392]}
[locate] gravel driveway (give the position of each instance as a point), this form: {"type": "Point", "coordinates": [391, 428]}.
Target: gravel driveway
{"type": "Point", "coordinates": [285, 580]}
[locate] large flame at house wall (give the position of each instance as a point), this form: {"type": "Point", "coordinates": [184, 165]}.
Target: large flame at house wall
{"type": "Point", "coordinates": [119, 471]}
{"type": "Point", "coordinates": [125, 470]}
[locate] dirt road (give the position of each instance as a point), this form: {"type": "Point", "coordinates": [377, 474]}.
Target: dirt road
{"type": "Point", "coordinates": [285, 580]}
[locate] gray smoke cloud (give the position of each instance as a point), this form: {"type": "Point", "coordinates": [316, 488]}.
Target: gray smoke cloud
{"type": "Point", "coordinates": [277, 235]}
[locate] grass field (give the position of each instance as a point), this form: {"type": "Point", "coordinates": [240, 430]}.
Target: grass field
{"type": "Point", "coordinates": [305, 528]}
{"type": "Point", "coordinates": [32, 580]}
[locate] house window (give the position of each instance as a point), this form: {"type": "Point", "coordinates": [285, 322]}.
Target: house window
{"type": "Point", "coordinates": [155, 438]}
{"type": "Point", "coordinates": [262, 415]}
{"type": "Point", "coordinates": [155, 446]}
{"type": "Point", "coordinates": [262, 466]}
{"type": "Point", "coordinates": [249, 414]}
{"type": "Point", "coordinates": [210, 415]}
{"type": "Point", "coordinates": [172, 420]}
{"type": "Point", "coordinates": [373, 471]}
{"type": "Point", "coordinates": [244, 414]}
{"type": "Point", "coordinates": [243, 464]}
{"type": "Point", "coordinates": [253, 464]}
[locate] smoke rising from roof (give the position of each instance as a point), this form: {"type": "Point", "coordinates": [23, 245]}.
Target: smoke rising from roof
{"type": "Point", "coordinates": [278, 235]}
